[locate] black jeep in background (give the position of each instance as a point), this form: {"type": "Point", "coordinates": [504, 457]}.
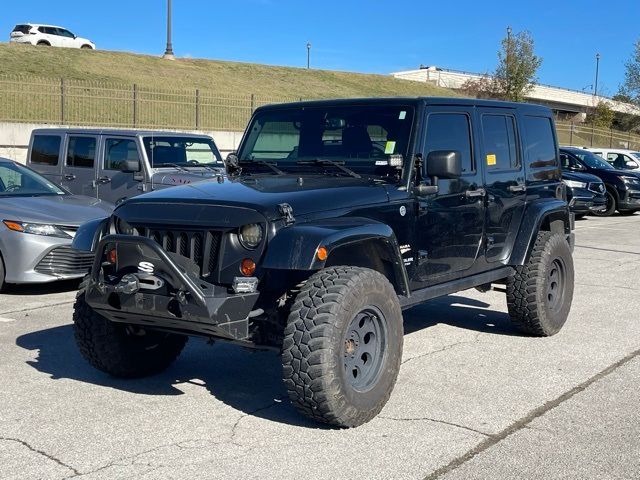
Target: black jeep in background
{"type": "Point", "coordinates": [622, 186]}
{"type": "Point", "coordinates": [336, 216]}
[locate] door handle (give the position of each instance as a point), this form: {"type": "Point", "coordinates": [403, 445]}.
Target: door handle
{"type": "Point", "coordinates": [104, 180]}
{"type": "Point", "coordinates": [480, 192]}
{"type": "Point", "coordinates": [518, 188]}
{"type": "Point", "coordinates": [69, 176]}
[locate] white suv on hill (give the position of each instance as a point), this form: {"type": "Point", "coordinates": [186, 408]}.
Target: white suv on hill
{"type": "Point", "coordinates": [48, 35]}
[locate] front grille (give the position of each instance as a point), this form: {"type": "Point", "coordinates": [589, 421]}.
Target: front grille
{"type": "Point", "coordinates": [597, 187]}
{"type": "Point", "coordinates": [65, 261]}
{"type": "Point", "coordinates": [201, 246]}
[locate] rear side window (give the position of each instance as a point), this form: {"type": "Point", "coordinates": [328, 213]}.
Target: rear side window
{"type": "Point", "coordinates": [81, 152]}
{"type": "Point", "coordinates": [450, 131]}
{"type": "Point", "coordinates": [499, 136]}
{"type": "Point", "coordinates": [22, 29]}
{"type": "Point", "coordinates": [541, 145]}
{"type": "Point", "coordinates": [117, 150]}
{"type": "Point", "coordinates": [45, 150]}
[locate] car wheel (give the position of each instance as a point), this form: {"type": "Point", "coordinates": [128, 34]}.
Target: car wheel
{"type": "Point", "coordinates": [87, 47]}
{"type": "Point", "coordinates": [610, 208]}
{"type": "Point", "coordinates": [2, 274]}
{"type": "Point", "coordinates": [122, 350]}
{"type": "Point", "coordinates": [43, 44]}
{"type": "Point", "coordinates": [343, 346]}
{"type": "Point", "coordinates": [539, 293]}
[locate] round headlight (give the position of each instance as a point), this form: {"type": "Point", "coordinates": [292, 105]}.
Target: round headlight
{"type": "Point", "coordinates": [123, 227]}
{"type": "Point", "coordinates": [250, 235]}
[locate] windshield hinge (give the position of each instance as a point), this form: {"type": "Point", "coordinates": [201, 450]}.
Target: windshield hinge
{"type": "Point", "coordinates": [287, 213]}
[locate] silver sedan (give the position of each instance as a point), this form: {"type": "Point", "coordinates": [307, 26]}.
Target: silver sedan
{"type": "Point", "coordinates": [38, 220]}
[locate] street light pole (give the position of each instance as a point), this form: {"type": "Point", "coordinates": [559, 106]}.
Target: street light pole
{"type": "Point", "coordinates": [308, 55]}
{"type": "Point", "coordinates": [595, 87]}
{"type": "Point", "coordinates": [169, 51]}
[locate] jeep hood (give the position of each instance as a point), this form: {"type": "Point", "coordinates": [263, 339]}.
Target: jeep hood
{"type": "Point", "coordinates": [174, 178]}
{"type": "Point", "coordinates": [264, 194]}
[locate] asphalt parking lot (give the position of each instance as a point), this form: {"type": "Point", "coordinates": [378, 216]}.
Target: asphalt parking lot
{"type": "Point", "coordinates": [474, 399]}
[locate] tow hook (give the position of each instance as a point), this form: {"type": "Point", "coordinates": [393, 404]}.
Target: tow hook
{"type": "Point", "coordinates": [128, 284]}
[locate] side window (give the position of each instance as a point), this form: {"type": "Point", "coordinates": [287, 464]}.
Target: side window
{"type": "Point", "coordinates": [541, 145]}
{"type": "Point", "coordinates": [450, 131]}
{"type": "Point", "coordinates": [45, 150]}
{"type": "Point", "coordinates": [118, 150]}
{"type": "Point", "coordinates": [81, 152]}
{"type": "Point", "coordinates": [65, 33]}
{"type": "Point", "coordinates": [499, 136]}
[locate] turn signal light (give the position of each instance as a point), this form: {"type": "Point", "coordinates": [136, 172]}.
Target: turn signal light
{"type": "Point", "coordinates": [112, 256]}
{"type": "Point", "coordinates": [248, 267]}
{"type": "Point", "coordinates": [16, 227]}
{"type": "Point", "coordinates": [322, 254]}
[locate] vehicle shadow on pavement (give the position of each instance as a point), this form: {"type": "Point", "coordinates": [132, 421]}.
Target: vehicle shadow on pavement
{"type": "Point", "coordinates": [461, 312]}
{"type": "Point", "coordinates": [246, 380]}
{"type": "Point", "coordinates": [42, 288]}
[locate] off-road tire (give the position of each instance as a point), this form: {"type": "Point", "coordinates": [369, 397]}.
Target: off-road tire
{"type": "Point", "coordinates": [316, 341]}
{"type": "Point", "coordinates": [112, 348]}
{"type": "Point", "coordinates": [612, 205]}
{"type": "Point", "coordinates": [528, 290]}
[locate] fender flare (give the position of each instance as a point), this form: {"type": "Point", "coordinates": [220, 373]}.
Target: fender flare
{"type": "Point", "coordinates": [536, 215]}
{"type": "Point", "coordinates": [295, 247]}
{"type": "Point", "coordinates": [89, 234]}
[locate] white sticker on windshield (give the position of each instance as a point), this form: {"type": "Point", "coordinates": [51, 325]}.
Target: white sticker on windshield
{"type": "Point", "coordinates": [381, 162]}
{"type": "Point", "coordinates": [403, 115]}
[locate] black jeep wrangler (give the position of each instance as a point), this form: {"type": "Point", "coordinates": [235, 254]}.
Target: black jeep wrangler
{"type": "Point", "coordinates": [334, 217]}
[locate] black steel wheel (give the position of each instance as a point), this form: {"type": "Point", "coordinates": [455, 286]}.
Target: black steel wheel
{"type": "Point", "coordinates": [343, 345]}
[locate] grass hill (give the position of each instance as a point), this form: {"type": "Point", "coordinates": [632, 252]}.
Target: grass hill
{"type": "Point", "coordinates": [229, 78]}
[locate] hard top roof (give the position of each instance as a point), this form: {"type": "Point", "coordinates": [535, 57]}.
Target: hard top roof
{"type": "Point", "coordinates": [117, 132]}
{"type": "Point", "coordinates": [426, 101]}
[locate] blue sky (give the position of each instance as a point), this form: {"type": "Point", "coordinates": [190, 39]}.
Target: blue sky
{"type": "Point", "coordinates": [360, 35]}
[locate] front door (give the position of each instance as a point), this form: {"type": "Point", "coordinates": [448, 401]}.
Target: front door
{"type": "Point", "coordinates": [450, 224]}
{"type": "Point", "coordinates": [504, 180]}
{"type": "Point", "coordinates": [78, 173]}
{"type": "Point", "coordinates": [113, 184]}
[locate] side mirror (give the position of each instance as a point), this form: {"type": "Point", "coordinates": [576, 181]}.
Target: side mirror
{"type": "Point", "coordinates": [232, 163]}
{"type": "Point", "coordinates": [444, 164]}
{"type": "Point", "coordinates": [130, 166]}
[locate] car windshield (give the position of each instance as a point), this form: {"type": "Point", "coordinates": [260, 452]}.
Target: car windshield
{"type": "Point", "coordinates": [592, 160]}
{"type": "Point", "coordinates": [636, 154]}
{"type": "Point", "coordinates": [19, 181]}
{"type": "Point", "coordinates": [182, 152]}
{"type": "Point", "coordinates": [345, 140]}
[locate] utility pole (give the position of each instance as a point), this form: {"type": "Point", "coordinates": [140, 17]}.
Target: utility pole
{"type": "Point", "coordinates": [595, 87]}
{"type": "Point", "coordinates": [308, 55]}
{"type": "Point", "coordinates": [169, 51]}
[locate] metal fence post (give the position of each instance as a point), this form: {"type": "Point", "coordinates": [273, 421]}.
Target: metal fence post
{"type": "Point", "coordinates": [62, 101]}
{"type": "Point", "coordinates": [253, 103]}
{"type": "Point", "coordinates": [592, 128]}
{"type": "Point", "coordinates": [610, 137]}
{"type": "Point", "coordinates": [571, 134]}
{"type": "Point", "coordinates": [197, 109]}
{"type": "Point", "coordinates": [135, 104]}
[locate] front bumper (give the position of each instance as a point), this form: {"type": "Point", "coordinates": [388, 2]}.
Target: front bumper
{"type": "Point", "coordinates": [630, 200]}
{"type": "Point", "coordinates": [157, 289]}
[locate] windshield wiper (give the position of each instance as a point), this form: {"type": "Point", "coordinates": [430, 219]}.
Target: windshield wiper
{"type": "Point", "coordinates": [174, 165]}
{"type": "Point", "coordinates": [271, 165]}
{"type": "Point", "coordinates": [333, 163]}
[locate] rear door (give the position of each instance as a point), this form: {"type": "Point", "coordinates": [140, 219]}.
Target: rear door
{"type": "Point", "coordinates": [44, 155]}
{"type": "Point", "coordinates": [504, 179]}
{"type": "Point", "coordinates": [114, 185]}
{"type": "Point", "coordinates": [79, 173]}
{"type": "Point", "coordinates": [50, 34]}
{"type": "Point", "coordinates": [449, 227]}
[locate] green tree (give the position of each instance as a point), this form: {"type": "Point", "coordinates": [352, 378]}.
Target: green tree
{"type": "Point", "coordinates": [517, 66]}
{"type": "Point", "coordinates": [630, 89]}
{"type": "Point", "coordinates": [602, 116]}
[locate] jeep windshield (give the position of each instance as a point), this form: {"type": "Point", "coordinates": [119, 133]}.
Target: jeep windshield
{"type": "Point", "coordinates": [181, 152]}
{"type": "Point", "coordinates": [346, 140]}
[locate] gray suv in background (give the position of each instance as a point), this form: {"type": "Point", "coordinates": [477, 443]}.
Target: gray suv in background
{"type": "Point", "coordinates": [113, 165]}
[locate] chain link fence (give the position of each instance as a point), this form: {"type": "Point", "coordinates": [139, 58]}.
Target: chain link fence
{"type": "Point", "coordinates": [78, 102]}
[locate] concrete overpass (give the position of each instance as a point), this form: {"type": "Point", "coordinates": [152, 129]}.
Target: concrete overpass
{"type": "Point", "coordinates": [558, 99]}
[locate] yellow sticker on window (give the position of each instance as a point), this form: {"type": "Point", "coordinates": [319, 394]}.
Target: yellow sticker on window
{"type": "Point", "coordinates": [491, 159]}
{"type": "Point", "coordinates": [390, 148]}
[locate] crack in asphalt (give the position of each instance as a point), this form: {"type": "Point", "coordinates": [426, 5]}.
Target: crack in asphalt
{"type": "Point", "coordinates": [435, 420]}
{"type": "Point", "coordinates": [608, 250]}
{"type": "Point", "coordinates": [40, 452]}
{"type": "Point", "coordinates": [276, 401]}
{"type": "Point", "coordinates": [476, 339]}
{"type": "Point", "coordinates": [530, 417]}
{"type": "Point", "coordinates": [607, 286]}
{"type": "Point", "coordinates": [29, 309]}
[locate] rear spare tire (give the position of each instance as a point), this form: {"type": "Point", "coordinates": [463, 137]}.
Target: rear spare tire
{"type": "Point", "coordinates": [343, 346]}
